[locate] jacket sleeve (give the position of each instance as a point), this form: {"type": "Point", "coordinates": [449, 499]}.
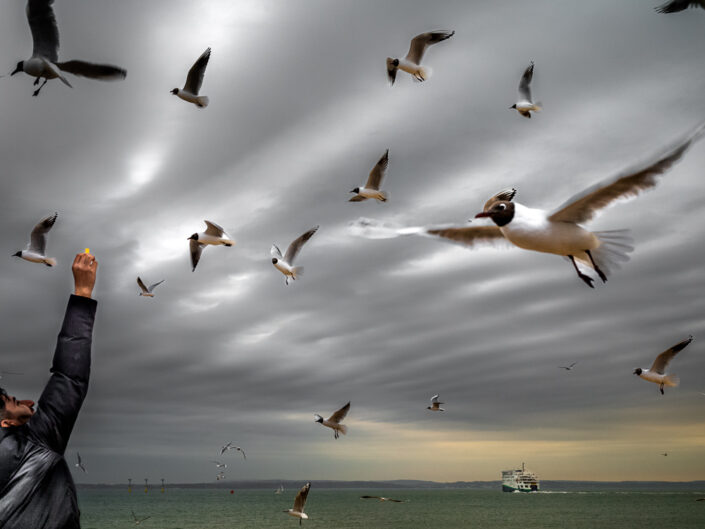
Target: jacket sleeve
{"type": "Point", "coordinates": [63, 395]}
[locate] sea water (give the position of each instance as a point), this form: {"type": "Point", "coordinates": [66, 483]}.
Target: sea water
{"type": "Point", "coordinates": [344, 509]}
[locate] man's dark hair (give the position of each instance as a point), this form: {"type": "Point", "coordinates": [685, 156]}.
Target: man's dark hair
{"type": "Point", "coordinates": [3, 396]}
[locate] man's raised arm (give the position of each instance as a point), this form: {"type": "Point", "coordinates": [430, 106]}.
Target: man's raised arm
{"type": "Point", "coordinates": [63, 395]}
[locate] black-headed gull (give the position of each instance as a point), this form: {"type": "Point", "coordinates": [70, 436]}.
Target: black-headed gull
{"type": "Point", "coordinates": [333, 422]}
{"type": "Point", "coordinates": [525, 105]}
{"type": "Point", "coordinates": [231, 446]}
{"type": "Point", "coordinates": [298, 510]}
{"type": "Point", "coordinates": [214, 235]}
{"type": "Point", "coordinates": [44, 62]}
{"type": "Point", "coordinates": [79, 463]}
{"type": "Point", "coordinates": [194, 80]}
{"type": "Point", "coordinates": [147, 291]}
{"type": "Point", "coordinates": [657, 372]}
{"type": "Point", "coordinates": [412, 62]}
{"type": "Point", "coordinates": [36, 249]}
{"type": "Point", "coordinates": [435, 404]}
{"type": "Point", "coordinates": [371, 187]}
{"type": "Point", "coordinates": [285, 264]}
{"type": "Point", "coordinates": [674, 6]}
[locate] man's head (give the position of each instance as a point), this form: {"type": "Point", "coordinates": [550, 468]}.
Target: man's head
{"type": "Point", "coordinates": [14, 412]}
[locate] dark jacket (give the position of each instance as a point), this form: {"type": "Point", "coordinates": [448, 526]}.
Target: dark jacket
{"type": "Point", "coordinates": [36, 487]}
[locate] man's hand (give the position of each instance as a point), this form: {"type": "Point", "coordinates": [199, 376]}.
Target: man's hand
{"type": "Point", "coordinates": [84, 269]}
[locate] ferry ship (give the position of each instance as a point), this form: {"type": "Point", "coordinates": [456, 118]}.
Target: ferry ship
{"type": "Point", "coordinates": [519, 480]}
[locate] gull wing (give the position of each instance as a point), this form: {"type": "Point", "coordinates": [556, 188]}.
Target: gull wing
{"type": "Point", "coordinates": [524, 84]}
{"type": "Point", "coordinates": [196, 249]}
{"type": "Point", "coordinates": [105, 72]}
{"type": "Point", "coordinates": [142, 285]}
{"type": "Point", "coordinates": [629, 183]}
{"type": "Point", "coordinates": [661, 363]}
{"type": "Point", "coordinates": [420, 42]}
{"type": "Point", "coordinates": [194, 79]}
{"type": "Point", "coordinates": [224, 448]}
{"type": "Point", "coordinates": [391, 71]}
{"type": "Point", "coordinates": [340, 414]}
{"type": "Point", "coordinates": [300, 500]}
{"type": "Point", "coordinates": [275, 251]}
{"type": "Point", "coordinates": [153, 286]}
{"type": "Point", "coordinates": [370, 497]}
{"type": "Point", "coordinates": [45, 33]}
{"type": "Point", "coordinates": [213, 229]}
{"type": "Point", "coordinates": [470, 235]}
{"type": "Point", "coordinates": [378, 171]}
{"type": "Point", "coordinates": [295, 247]}
{"type": "Point", "coordinates": [434, 400]}
{"type": "Point", "coordinates": [38, 238]}
{"type": "Point", "coordinates": [675, 6]}
{"type": "Point", "coordinates": [357, 198]}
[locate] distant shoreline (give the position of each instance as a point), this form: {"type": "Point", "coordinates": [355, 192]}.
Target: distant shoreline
{"type": "Point", "coordinates": [546, 485]}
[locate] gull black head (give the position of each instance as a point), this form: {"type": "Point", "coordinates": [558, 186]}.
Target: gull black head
{"type": "Point", "coordinates": [175, 91]}
{"type": "Point", "coordinates": [19, 68]}
{"type": "Point", "coordinates": [275, 260]}
{"type": "Point", "coordinates": [395, 62]}
{"type": "Point", "coordinates": [514, 106]}
{"type": "Point", "coordinates": [637, 371]}
{"type": "Point", "coordinates": [18, 254]}
{"type": "Point", "coordinates": [356, 190]}
{"type": "Point", "coordinates": [501, 213]}
{"type": "Point", "coordinates": [318, 418]}
{"type": "Point", "coordinates": [193, 237]}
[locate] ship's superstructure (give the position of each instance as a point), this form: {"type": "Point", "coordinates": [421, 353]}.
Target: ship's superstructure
{"type": "Point", "coordinates": [519, 480]}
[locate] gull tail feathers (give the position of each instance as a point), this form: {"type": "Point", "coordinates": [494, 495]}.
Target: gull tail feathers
{"type": "Point", "coordinates": [297, 272]}
{"type": "Point", "coordinates": [671, 380]}
{"type": "Point", "coordinates": [343, 429]}
{"type": "Point", "coordinates": [202, 101]}
{"type": "Point", "coordinates": [384, 196]}
{"type": "Point", "coordinates": [538, 106]}
{"type": "Point", "coordinates": [424, 73]}
{"type": "Point", "coordinates": [50, 261]}
{"type": "Point", "coordinates": [615, 247]}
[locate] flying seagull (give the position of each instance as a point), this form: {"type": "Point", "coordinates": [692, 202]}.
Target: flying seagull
{"type": "Point", "coordinates": [665, 454]}
{"type": "Point", "coordinates": [138, 520]}
{"type": "Point", "coordinates": [220, 476]}
{"type": "Point", "coordinates": [286, 264]}
{"type": "Point", "coordinates": [675, 6]}
{"type": "Point", "coordinates": [36, 248]}
{"type": "Point", "coordinates": [525, 105]}
{"type": "Point", "coordinates": [219, 464]}
{"type": "Point", "coordinates": [371, 188]}
{"type": "Point", "coordinates": [194, 80]}
{"type": "Point", "coordinates": [299, 502]}
{"type": "Point", "coordinates": [333, 422]}
{"type": "Point", "coordinates": [45, 55]}
{"type": "Point", "coordinates": [214, 235]}
{"type": "Point", "coordinates": [231, 446]}
{"type": "Point", "coordinates": [558, 231]}
{"type": "Point", "coordinates": [657, 372]}
{"type": "Point", "coordinates": [412, 62]}
{"type": "Point", "coordinates": [147, 292]}
{"type": "Point", "coordinates": [380, 498]}
{"type": "Point", "coordinates": [280, 489]}
{"type": "Point", "coordinates": [435, 404]}
{"type": "Point", "coordinates": [79, 463]}
{"type": "Point", "coordinates": [568, 368]}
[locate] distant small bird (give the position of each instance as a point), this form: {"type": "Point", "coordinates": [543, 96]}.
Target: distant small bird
{"type": "Point", "coordinates": [194, 80]}
{"type": "Point", "coordinates": [665, 454]}
{"type": "Point", "coordinates": [412, 62]}
{"type": "Point", "coordinates": [214, 235]}
{"type": "Point", "coordinates": [675, 6]}
{"type": "Point", "coordinates": [139, 520]}
{"type": "Point", "coordinates": [147, 292]}
{"type": "Point", "coordinates": [36, 248]}
{"type": "Point", "coordinates": [44, 62]}
{"type": "Point", "coordinates": [700, 499]}
{"type": "Point", "coordinates": [79, 463]}
{"type": "Point", "coordinates": [525, 105]}
{"type": "Point", "coordinates": [219, 464]}
{"type": "Point", "coordinates": [3, 372]}
{"type": "Point", "coordinates": [220, 476]}
{"type": "Point", "coordinates": [231, 446]}
{"type": "Point", "coordinates": [657, 372]}
{"type": "Point", "coordinates": [371, 188]}
{"type": "Point", "coordinates": [333, 421]}
{"type": "Point", "coordinates": [280, 489]}
{"type": "Point", "coordinates": [435, 404]}
{"type": "Point", "coordinates": [568, 368]}
{"type": "Point", "coordinates": [286, 264]}
{"type": "Point", "coordinates": [380, 498]}
{"type": "Point", "coordinates": [299, 502]}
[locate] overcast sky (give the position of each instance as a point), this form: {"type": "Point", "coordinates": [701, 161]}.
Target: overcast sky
{"type": "Point", "coordinates": [300, 110]}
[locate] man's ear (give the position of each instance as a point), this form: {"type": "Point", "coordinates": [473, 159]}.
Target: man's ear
{"type": "Point", "coordinates": [7, 423]}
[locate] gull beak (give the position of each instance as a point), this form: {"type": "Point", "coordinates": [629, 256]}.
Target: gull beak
{"type": "Point", "coordinates": [482, 214]}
